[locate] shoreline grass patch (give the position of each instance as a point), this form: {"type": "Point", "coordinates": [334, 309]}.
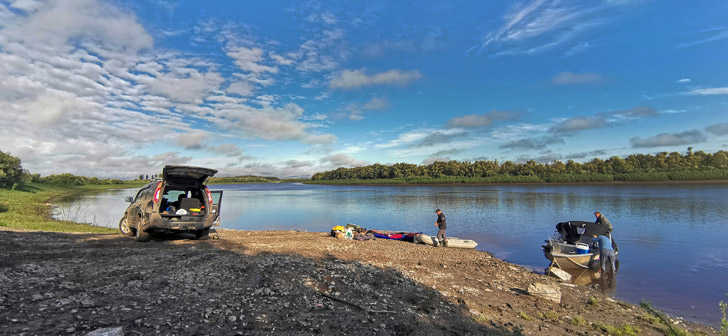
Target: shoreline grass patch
{"type": "Point", "coordinates": [28, 207]}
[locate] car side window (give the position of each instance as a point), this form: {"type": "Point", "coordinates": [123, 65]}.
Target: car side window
{"type": "Point", "coordinates": [139, 194]}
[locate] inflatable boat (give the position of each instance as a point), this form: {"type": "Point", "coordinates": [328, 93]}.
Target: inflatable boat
{"type": "Point", "coordinates": [449, 242]}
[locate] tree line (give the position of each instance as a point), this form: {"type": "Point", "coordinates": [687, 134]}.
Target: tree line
{"type": "Point", "coordinates": [636, 167]}
{"type": "Point", "coordinates": [12, 174]}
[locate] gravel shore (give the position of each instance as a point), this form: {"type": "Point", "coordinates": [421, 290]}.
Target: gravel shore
{"type": "Point", "coordinates": [285, 283]}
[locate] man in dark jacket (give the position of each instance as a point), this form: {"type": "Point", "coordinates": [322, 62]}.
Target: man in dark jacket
{"type": "Point", "coordinates": [442, 226]}
{"type": "Point", "coordinates": [603, 221]}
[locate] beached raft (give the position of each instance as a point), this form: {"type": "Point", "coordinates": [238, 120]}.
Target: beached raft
{"type": "Point", "coordinates": [395, 235]}
{"type": "Point", "coordinates": [450, 242]}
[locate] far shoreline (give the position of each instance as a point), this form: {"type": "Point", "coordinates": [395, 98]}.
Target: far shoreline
{"type": "Point", "coordinates": [666, 182]}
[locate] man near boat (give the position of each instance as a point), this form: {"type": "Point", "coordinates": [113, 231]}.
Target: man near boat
{"type": "Point", "coordinates": [442, 226]}
{"type": "Point", "coordinates": [606, 253]}
{"type": "Point", "coordinates": [603, 221]}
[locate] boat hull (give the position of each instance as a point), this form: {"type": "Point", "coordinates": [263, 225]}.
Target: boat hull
{"type": "Point", "coordinates": [451, 242]}
{"type": "Point", "coordinates": [573, 261]}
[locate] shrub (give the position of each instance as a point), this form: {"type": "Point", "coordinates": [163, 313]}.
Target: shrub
{"type": "Point", "coordinates": [625, 330]}
{"type": "Point", "coordinates": [723, 320]}
{"type": "Point", "coordinates": [578, 320]}
{"type": "Point", "coordinates": [593, 301]}
{"type": "Point", "coordinates": [11, 172]}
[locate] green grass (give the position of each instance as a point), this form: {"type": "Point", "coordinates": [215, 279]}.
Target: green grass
{"type": "Point", "coordinates": [625, 330]}
{"type": "Point", "coordinates": [593, 301]}
{"type": "Point", "coordinates": [549, 316]}
{"type": "Point", "coordinates": [27, 207]}
{"type": "Point", "coordinates": [723, 321]}
{"type": "Point", "coordinates": [578, 320]}
{"type": "Point", "coordinates": [525, 316]}
{"type": "Point", "coordinates": [668, 329]}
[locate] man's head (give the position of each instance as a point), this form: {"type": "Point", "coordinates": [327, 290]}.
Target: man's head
{"type": "Point", "coordinates": [438, 211]}
{"type": "Point", "coordinates": [597, 214]}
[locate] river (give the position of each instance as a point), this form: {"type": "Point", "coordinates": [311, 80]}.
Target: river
{"type": "Point", "coordinates": [672, 237]}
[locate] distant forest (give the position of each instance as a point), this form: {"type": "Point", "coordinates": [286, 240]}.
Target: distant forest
{"type": "Point", "coordinates": [637, 167]}
{"type": "Point", "coordinates": [241, 179]}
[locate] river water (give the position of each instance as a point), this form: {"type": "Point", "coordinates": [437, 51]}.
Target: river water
{"type": "Point", "coordinates": [672, 238]}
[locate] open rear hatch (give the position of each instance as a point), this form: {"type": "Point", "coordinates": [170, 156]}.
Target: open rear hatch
{"type": "Point", "coordinates": [186, 175]}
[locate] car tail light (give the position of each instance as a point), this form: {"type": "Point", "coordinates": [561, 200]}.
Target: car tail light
{"type": "Point", "coordinates": [158, 192]}
{"type": "Point", "coordinates": [209, 197]}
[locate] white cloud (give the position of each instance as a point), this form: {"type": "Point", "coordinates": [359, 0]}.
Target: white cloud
{"type": "Point", "coordinates": [280, 59]}
{"type": "Point", "coordinates": [343, 160]}
{"type": "Point", "coordinates": [377, 104]}
{"type": "Point", "coordinates": [355, 111]}
{"type": "Point", "coordinates": [269, 123]}
{"type": "Point", "coordinates": [54, 23]}
{"type": "Point", "coordinates": [537, 26]}
{"type": "Point", "coordinates": [668, 139]}
{"type": "Point", "coordinates": [353, 79]}
{"type": "Point", "coordinates": [184, 85]}
{"type": "Point", "coordinates": [242, 88]}
{"type": "Point", "coordinates": [27, 5]}
{"type": "Point", "coordinates": [322, 52]}
{"type": "Point", "coordinates": [52, 108]}
{"type": "Point", "coordinates": [249, 59]}
{"type": "Point", "coordinates": [191, 140]}
{"type": "Point", "coordinates": [567, 77]}
{"type": "Point", "coordinates": [480, 120]}
{"type": "Point", "coordinates": [406, 138]}
{"type": "Point", "coordinates": [684, 80]}
{"type": "Point", "coordinates": [82, 91]}
{"type": "Point", "coordinates": [230, 150]}
{"type": "Point", "coordinates": [709, 91]}
{"type": "Point", "coordinates": [705, 36]}
{"type": "Point", "coordinates": [718, 129]}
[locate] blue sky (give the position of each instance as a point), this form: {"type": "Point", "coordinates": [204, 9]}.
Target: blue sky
{"type": "Point", "coordinates": [120, 88]}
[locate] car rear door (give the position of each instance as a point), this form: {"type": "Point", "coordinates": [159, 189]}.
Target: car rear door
{"type": "Point", "coordinates": [216, 203]}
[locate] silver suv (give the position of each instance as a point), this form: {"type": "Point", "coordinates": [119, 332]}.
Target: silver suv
{"type": "Point", "coordinates": [179, 202]}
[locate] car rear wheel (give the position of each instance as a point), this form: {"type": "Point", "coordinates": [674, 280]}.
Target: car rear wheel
{"type": "Point", "coordinates": [124, 227]}
{"type": "Point", "coordinates": [202, 233]}
{"type": "Point", "coordinates": [141, 235]}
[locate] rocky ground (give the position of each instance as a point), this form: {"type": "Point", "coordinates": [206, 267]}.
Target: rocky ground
{"type": "Point", "coordinates": [285, 283]}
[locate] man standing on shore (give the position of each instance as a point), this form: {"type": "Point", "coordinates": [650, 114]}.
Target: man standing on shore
{"type": "Point", "coordinates": [442, 226]}
{"type": "Point", "coordinates": [606, 253]}
{"type": "Point", "coordinates": [603, 221]}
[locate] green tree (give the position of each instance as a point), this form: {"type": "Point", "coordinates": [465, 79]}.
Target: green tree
{"type": "Point", "coordinates": [11, 172]}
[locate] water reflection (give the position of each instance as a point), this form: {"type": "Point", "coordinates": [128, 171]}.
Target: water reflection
{"type": "Point", "coordinates": [606, 282]}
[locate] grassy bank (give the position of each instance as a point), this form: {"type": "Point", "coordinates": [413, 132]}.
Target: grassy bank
{"type": "Point", "coordinates": [28, 207]}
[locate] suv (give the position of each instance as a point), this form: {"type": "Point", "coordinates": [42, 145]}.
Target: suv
{"type": "Point", "coordinates": [179, 202]}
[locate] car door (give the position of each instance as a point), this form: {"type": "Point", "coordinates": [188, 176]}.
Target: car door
{"type": "Point", "coordinates": [135, 207]}
{"type": "Point", "coordinates": [216, 203]}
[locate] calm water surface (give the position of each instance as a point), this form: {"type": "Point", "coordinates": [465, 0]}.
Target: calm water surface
{"type": "Point", "coordinates": [672, 238]}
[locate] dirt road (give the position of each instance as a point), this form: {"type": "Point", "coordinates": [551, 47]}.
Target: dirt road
{"type": "Point", "coordinates": [280, 283]}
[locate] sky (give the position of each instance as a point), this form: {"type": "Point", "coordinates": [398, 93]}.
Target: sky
{"type": "Point", "coordinates": [289, 88]}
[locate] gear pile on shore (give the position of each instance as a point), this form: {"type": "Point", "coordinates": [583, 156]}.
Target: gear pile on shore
{"type": "Point", "coordinates": [280, 283]}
